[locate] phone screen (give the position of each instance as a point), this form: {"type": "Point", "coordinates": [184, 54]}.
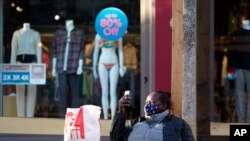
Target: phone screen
{"type": "Point", "coordinates": [127, 93]}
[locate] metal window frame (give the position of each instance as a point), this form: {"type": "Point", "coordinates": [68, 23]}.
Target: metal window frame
{"type": "Point", "coordinates": [1, 54]}
{"type": "Point", "coordinates": [147, 49]}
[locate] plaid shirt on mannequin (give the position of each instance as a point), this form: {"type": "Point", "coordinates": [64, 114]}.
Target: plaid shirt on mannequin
{"type": "Point", "coordinates": [76, 49]}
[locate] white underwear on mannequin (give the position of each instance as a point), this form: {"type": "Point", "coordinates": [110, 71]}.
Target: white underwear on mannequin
{"type": "Point", "coordinates": [108, 78]}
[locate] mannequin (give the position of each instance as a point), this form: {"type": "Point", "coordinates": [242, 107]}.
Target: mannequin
{"type": "Point", "coordinates": [239, 59]}
{"type": "Point", "coordinates": [67, 63]}
{"type": "Point", "coordinates": [246, 24]}
{"type": "Point", "coordinates": [109, 69]}
{"type": "Point", "coordinates": [26, 48]}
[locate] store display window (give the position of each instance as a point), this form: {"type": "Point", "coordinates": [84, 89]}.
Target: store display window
{"type": "Point", "coordinates": [231, 65]}
{"type": "Point", "coordinates": [52, 31]}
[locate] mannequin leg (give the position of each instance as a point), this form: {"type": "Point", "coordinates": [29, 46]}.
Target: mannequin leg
{"type": "Point", "coordinates": [62, 79]}
{"type": "Point", "coordinates": [248, 94]}
{"type": "Point", "coordinates": [103, 74]}
{"type": "Point", "coordinates": [20, 100]}
{"type": "Point", "coordinates": [248, 108]}
{"type": "Point", "coordinates": [113, 77]}
{"type": "Point", "coordinates": [239, 96]}
{"type": "Point", "coordinates": [74, 83]}
{"type": "Point", "coordinates": [31, 100]}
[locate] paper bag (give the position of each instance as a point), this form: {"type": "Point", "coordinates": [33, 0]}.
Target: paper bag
{"type": "Point", "coordinates": [82, 124]}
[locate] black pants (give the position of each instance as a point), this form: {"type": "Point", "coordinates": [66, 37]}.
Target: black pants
{"type": "Point", "coordinates": [69, 84]}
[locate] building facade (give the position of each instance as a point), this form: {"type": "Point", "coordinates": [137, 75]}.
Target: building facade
{"type": "Point", "coordinates": [176, 43]}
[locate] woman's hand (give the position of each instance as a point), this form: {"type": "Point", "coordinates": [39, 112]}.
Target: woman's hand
{"type": "Point", "coordinates": [124, 102]}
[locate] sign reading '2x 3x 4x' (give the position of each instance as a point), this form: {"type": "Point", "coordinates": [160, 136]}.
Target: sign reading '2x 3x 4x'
{"type": "Point", "coordinates": [23, 74]}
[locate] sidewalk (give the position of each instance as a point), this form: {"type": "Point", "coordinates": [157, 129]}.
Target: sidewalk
{"type": "Point", "coordinates": [18, 137]}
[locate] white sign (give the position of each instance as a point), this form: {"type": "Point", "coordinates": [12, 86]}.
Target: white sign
{"type": "Point", "coordinates": [23, 74]}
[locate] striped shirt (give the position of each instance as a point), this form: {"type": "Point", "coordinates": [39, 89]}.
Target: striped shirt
{"type": "Point", "coordinates": [75, 52]}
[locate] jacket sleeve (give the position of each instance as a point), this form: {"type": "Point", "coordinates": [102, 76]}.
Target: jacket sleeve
{"type": "Point", "coordinates": [186, 133]}
{"type": "Point", "coordinates": [119, 130]}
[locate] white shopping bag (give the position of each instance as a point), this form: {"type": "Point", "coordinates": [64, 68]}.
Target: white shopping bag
{"type": "Point", "coordinates": [82, 124]}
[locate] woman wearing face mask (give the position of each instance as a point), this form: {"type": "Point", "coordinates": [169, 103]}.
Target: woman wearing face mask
{"type": "Point", "coordinates": [157, 125]}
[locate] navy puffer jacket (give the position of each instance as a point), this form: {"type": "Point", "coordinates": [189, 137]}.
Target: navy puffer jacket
{"type": "Point", "coordinates": [174, 129]}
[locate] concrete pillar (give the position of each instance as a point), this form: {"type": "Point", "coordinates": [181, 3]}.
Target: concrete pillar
{"type": "Point", "coordinates": [192, 63]}
{"type": "Point", "coordinates": [184, 91]}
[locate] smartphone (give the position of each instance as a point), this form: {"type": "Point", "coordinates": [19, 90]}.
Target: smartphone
{"type": "Point", "coordinates": [127, 93]}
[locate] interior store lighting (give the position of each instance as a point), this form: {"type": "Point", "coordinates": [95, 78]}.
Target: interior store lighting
{"type": "Point", "coordinates": [57, 17]}
{"type": "Point", "coordinates": [13, 4]}
{"type": "Point", "coordinates": [19, 9]}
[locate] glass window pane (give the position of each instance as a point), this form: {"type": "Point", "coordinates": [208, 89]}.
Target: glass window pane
{"type": "Point", "coordinates": [48, 16]}
{"type": "Point", "coordinates": [232, 55]}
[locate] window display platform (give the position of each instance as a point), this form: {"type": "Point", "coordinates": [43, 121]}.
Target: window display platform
{"type": "Point", "coordinates": [51, 129]}
{"type": "Point", "coordinates": [222, 129]}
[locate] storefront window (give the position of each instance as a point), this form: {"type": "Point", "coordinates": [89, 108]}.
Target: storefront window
{"type": "Point", "coordinates": [48, 16]}
{"type": "Point", "coordinates": [232, 55]}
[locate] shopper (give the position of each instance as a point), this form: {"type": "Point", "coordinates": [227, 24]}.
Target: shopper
{"type": "Point", "coordinates": [157, 125]}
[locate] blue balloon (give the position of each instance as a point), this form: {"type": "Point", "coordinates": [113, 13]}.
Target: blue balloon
{"type": "Point", "coordinates": [111, 23]}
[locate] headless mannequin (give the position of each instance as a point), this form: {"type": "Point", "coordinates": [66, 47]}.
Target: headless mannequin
{"type": "Point", "coordinates": [69, 25]}
{"type": "Point", "coordinates": [26, 37]}
{"type": "Point", "coordinates": [242, 81]}
{"type": "Point", "coordinates": [108, 68]}
{"type": "Point", "coordinates": [65, 78]}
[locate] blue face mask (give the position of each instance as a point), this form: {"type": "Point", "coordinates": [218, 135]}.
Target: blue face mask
{"type": "Point", "coordinates": [151, 109]}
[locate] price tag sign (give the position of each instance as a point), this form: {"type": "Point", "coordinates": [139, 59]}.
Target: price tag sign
{"type": "Point", "coordinates": [23, 74]}
{"type": "Point", "coordinates": [111, 23]}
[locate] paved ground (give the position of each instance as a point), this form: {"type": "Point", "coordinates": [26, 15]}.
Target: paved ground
{"type": "Point", "coordinates": [15, 137]}
{"type": "Point", "coordinates": [18, 137]}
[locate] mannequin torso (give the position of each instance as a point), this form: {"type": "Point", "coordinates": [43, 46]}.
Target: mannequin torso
{"type": "Point", "coordinates": [68, 40]}
{"type": "Point", "coordinates": [246, 24]}
{"type": "Point", "coordinates": [108, 53]}
{"type": "Point", "coordinates": [26, 41]}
